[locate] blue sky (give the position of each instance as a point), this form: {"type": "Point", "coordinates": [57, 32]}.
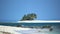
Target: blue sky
{"type": "Point", "coordinates": [13, 10]}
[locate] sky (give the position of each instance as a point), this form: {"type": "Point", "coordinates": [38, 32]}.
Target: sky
{"type": "Point", "coordinates": [14, 10]}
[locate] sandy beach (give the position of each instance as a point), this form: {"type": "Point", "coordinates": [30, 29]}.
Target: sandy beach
{"type": "Point", "coordinates": [21, 30]}
{"type": "Point", "coordinates": [11, 29]}
{"type": "Point", "coordinates": [17, 30]}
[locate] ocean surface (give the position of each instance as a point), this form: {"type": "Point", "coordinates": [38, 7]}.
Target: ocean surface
{"type": "Point", "coordinates": [29, 24]}
{"type": "Point", "coordinates": [56, 27]}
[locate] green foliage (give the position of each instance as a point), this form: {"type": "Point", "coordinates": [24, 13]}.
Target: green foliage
{"type": "Point", "coordinates": [31, 16]}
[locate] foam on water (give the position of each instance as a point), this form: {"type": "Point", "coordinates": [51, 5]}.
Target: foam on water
{"type": "Point", "coordinates": [56, 30]}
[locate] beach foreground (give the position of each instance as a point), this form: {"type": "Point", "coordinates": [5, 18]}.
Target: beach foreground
{"type": "Point", "coordinates": [10, 29]}
{"type": "Point", "coordinates": [21, 30]}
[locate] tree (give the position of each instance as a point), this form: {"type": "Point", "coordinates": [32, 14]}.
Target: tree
{"type": "Point", "coordinates": [31, 16]}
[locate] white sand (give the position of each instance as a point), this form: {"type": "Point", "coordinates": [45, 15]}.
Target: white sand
{"type": "Point", "coordinates": [11, 29]}
{"type": "Point", "coordinates": [20, 30]}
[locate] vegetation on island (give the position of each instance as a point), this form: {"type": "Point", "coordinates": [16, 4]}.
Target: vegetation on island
{"type": "Point", "coordinates": [31, 16]}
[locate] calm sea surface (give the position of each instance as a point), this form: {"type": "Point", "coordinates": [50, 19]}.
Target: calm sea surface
{"type": "Point", "coordinates": [30, 24]}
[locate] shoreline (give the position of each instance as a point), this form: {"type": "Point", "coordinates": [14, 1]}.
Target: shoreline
{"type": "Point", "coordinates": [11, 29]}
{"type": "Point", "coordinates": [20, 30]}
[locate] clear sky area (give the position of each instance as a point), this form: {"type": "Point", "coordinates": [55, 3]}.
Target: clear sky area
{"type": "Point", "coordinates": [14, 10]}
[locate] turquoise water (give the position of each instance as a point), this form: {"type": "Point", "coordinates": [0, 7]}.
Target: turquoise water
{"type": "Point", "coordinates": [56, 27]}
{"type": "Point", "coordinates": [29, 24]}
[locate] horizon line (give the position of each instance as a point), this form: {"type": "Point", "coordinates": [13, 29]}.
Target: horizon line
{"type": "Point", "coordinates": [39, 21]}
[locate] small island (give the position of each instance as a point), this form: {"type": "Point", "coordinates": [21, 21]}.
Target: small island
{"type": "Point", "coordinates": [31, 16]}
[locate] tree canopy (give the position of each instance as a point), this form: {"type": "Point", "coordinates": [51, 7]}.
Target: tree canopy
{"type": "Point", "coordinates": [31, 16]}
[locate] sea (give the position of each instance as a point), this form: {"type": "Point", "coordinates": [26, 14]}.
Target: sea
{"type": "Point", "coordinates": [56, 26]}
